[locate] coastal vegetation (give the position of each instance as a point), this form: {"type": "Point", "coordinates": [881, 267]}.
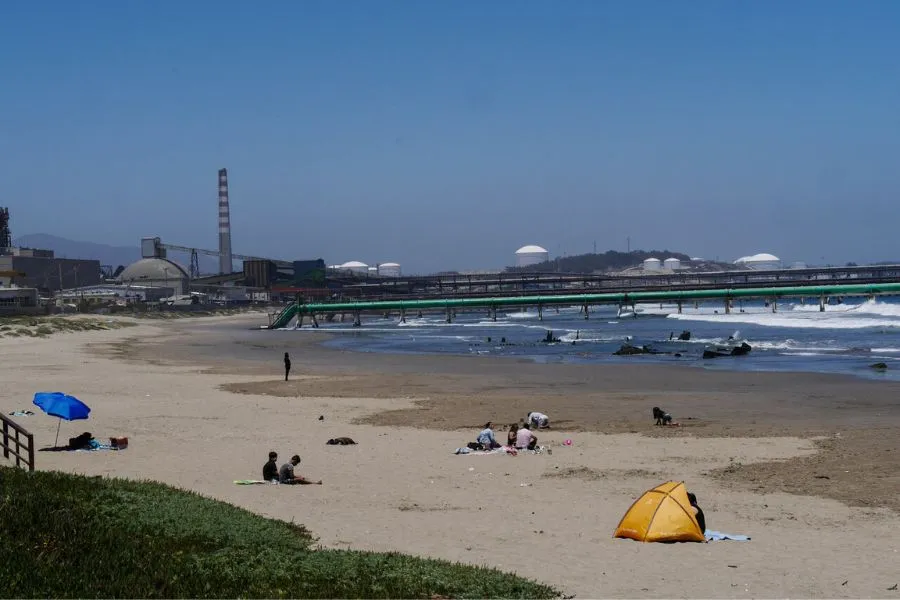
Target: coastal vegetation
{"type": "Point", "coordinates": [28, 326]}
{"type": "Point", "coordinates": [70, 536]}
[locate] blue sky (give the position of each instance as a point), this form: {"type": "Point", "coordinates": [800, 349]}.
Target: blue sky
{"type": "Point", "coordinates": [444, 135]}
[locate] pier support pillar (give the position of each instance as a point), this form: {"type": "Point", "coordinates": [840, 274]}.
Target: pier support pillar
{"type": "Point", "coordinates": [587, 312]}
{"type": "Point", "coordinates": [419, 314]}
{"type": "Point", "coordinates": [449, 315]}
{"type": "Point", "coordinates": [357, 321]}
{"type": "Point", "coordinates": [679, 307]}
{"type": "Point", "coordinates": [727, 306]}
{"type": "Point", "coordinates": [343, 316]}
{"type": "Point", "coordinates": [775, 305]}
{"type": "Point", "coordinates": [299, 320]}
{"type": "Point", "coordinates": [557, 310]}
{"type": "Point", "coordinates": [403, 315]}
{"type": "Point", "coordinates": [315, 322]}
{"type": "Point", "coordinates": [494, 313]}
{"type": "Point", "coordinates": [540, 313]}
{"type": "Point", "coordinates": [633, 310]}
{"type": "Point", "coordinates": [822, 304]}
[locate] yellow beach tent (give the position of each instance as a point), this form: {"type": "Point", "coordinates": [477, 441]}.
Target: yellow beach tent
{"type": "Point", "coordinates": [663, 514]}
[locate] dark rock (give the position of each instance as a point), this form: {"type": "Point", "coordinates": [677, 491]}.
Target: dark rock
{"type": "Point", "coordinates": [741, 350]}
{"type": "Point", "coordinates": [629, 350]}
{"type": "Point", "coordinates": [879, 366]}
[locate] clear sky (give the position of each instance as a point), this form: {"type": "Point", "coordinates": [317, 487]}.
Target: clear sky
{"type": "Point", "coordinates": [444, 135]}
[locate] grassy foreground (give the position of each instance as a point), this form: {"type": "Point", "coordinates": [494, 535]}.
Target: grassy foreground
{"type": "Point", "coordinates": [69, 536]}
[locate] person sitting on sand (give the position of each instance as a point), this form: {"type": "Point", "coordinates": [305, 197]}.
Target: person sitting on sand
{"type": "Point", "coordinates": [698, 512]}
{"type": "Point", "coordinates": [286, 474]}
{"type": "Point", "coordinates": [486, 437]}
{"type": "Point", "coordinates": [270, 469]}
{"type": "Point", "coordinates": [536, 419]}
{"type": "Point", "coordinates": [511, 436]}
{"type": "Point", "coordinates": [525, 440]}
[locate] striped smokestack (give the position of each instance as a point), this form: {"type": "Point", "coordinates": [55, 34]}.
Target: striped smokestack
{"type": "Point", "coordinates": [225, 264]}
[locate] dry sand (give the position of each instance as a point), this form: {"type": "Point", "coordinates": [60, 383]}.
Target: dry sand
{"type": "Point", "coordinates": [547, 517]}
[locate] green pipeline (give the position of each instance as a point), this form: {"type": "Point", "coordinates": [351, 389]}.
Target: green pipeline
{"type": "Point", "coordinates": [814, 291]}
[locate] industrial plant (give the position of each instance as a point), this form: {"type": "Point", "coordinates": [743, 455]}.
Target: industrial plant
{"type": "Point", "coordinates": [35, 280]}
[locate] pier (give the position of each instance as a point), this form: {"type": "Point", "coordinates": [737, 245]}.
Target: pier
{"type": "Point", "coordinates": [449, 305]}
{"type": "Point", "coordinates": [495, 284]}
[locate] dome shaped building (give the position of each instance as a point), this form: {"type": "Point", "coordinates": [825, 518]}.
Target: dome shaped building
{"type": "Point", "coordinates": [156, 272]}
{"type": "Point", "coordinates": [760, 262]}
{"type": "Point", "coordinates": [355, 266]}
{"type": "Point", "coordinates": [531, 255]}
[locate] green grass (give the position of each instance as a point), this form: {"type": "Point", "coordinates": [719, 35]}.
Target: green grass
{"type": "Point", "coordinates": [69, 536]}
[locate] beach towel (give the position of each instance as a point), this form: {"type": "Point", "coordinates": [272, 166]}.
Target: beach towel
{"type": "Point", "coordinates": [495, 451]}
{"type": "Point", "coordinates": [718, 536]}
{"type": "Point", "coordinates": [251, 481]}
{"type": "Point", "coordinates": [94, 445]}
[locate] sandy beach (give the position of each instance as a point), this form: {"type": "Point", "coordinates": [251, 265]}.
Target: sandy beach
{"type": "Point", "coordinates": [806, 465]}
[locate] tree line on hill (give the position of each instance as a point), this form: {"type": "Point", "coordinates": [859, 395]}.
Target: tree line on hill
{"type": "Point", "coordinates": [611, 260]}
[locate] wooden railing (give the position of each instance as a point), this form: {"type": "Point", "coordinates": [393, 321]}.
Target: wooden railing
{"type": "Point", "coordinates": [17, 442]}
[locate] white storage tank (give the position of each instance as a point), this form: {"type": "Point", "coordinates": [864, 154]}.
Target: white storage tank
{"type": "Point", "coordinates": [389, 269]}
{"type": "Point", "coordinates": [355, 266]}
{"type": "Point", "coordinates": [672, 263]}
{"type": "Point", "coordinates": [652, 264]}
{"type": "Point", "coordinates": [531, 255]}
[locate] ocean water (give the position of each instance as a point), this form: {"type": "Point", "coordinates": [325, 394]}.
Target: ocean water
{"type": "Point", "coordinates": [847, 338]}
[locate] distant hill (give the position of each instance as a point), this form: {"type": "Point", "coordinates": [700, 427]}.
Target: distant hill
{"type": "Point", "coordinates": [107, 255]}
{"type": "Point", "coordinates": [610, 260]}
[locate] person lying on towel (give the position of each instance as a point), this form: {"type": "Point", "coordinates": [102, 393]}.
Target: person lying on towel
{"type": "Point", "coordinates": [286, 474]}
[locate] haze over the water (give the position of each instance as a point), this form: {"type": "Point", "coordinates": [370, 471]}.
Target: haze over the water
{"type": "Point", "coordinates": [446, 135]}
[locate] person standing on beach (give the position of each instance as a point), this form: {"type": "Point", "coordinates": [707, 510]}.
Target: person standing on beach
{"type": "Point", "coordinates": [287, 365]}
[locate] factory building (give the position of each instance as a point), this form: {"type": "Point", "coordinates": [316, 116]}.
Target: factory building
{"type": "Point", "coordinates": [527, 256]}
{"type": "Point", "coordinates": [40, 269]}
{"type": "Point", "coordinates": [17, 301]}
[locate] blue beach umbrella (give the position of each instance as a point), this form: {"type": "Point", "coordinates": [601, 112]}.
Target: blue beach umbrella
{"type": "Point", "coordinates": [64, 406]}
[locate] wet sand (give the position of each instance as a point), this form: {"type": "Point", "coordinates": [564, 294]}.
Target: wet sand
{"type": "Point", "coordinates": [805, 464]}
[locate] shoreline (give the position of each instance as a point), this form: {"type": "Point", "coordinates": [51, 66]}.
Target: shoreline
{"type": "Point", "coordinates": [161, 384]}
